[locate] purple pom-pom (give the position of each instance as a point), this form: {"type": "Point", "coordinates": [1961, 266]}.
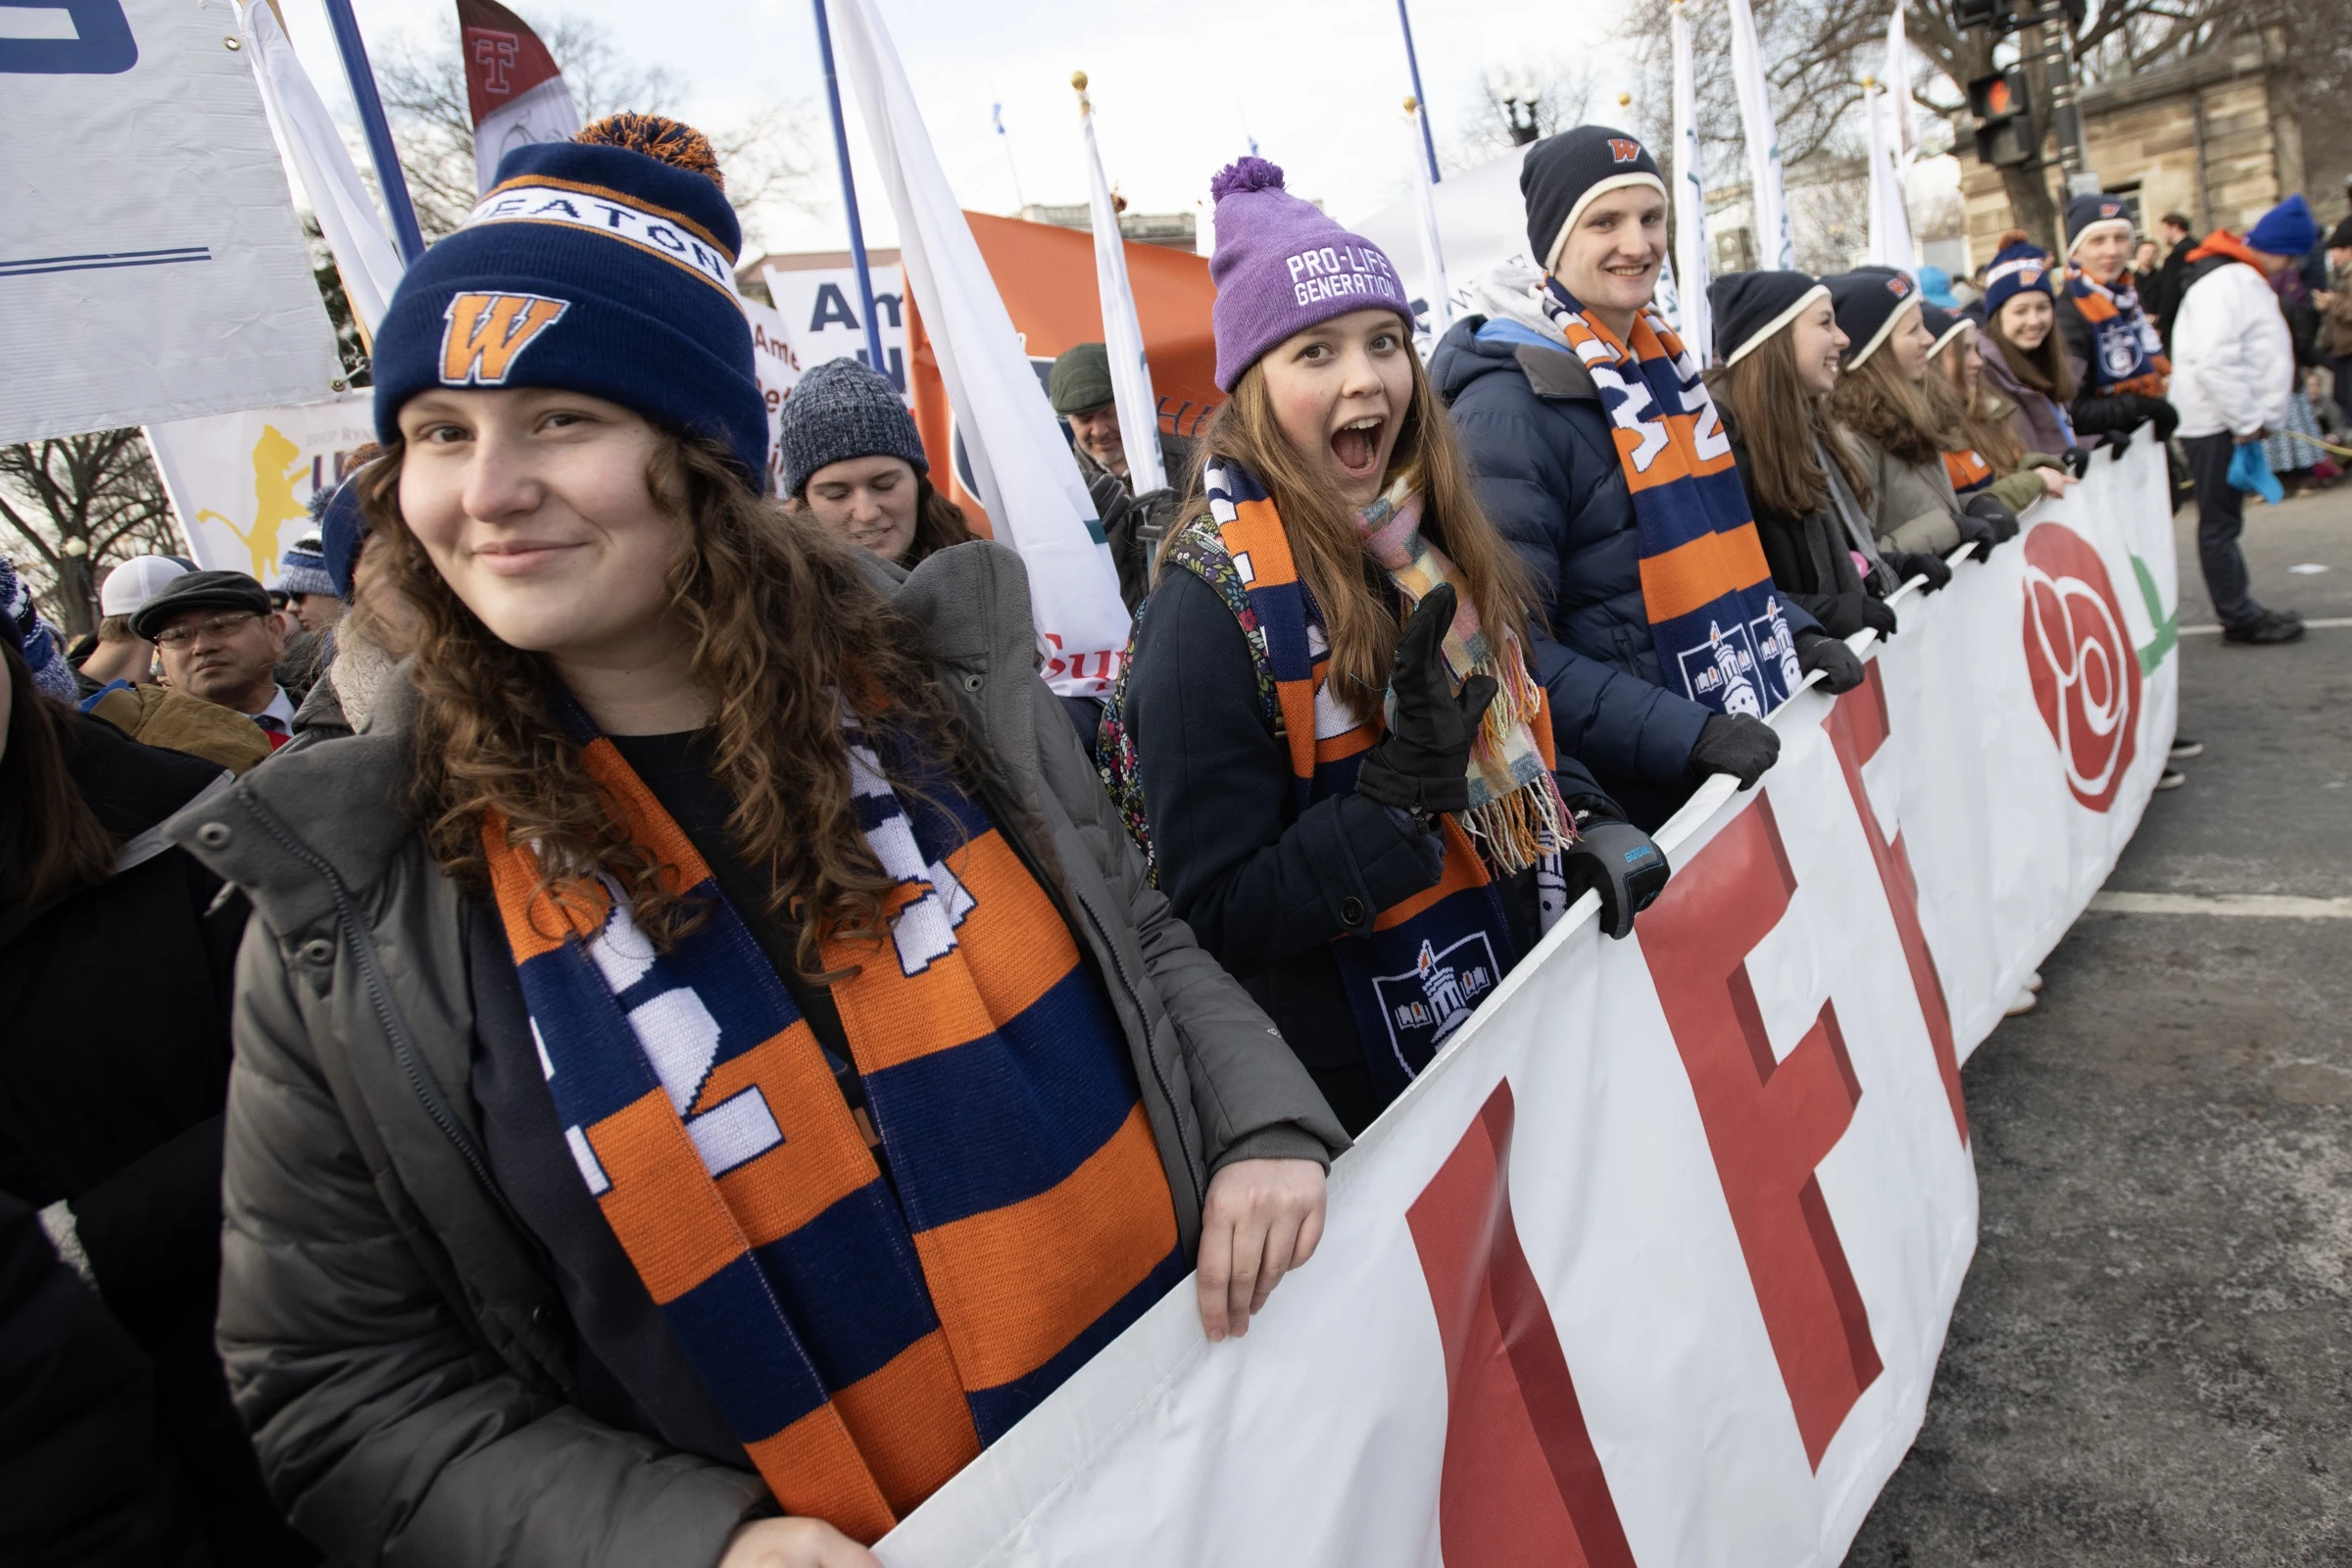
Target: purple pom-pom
{"type": "Point", "coordinates": [1245, 173]}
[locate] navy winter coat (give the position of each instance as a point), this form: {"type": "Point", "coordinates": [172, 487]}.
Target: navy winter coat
{"type": "Point", "coordinates": [1531, 422]}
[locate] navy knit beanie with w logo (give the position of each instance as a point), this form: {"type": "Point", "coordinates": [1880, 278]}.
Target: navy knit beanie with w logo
{"type": "Point", "coordinates": [603, 265]}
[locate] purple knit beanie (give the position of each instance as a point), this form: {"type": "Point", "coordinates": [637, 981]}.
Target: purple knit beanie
{"type": "Point", "coordinates": [1280, 267]}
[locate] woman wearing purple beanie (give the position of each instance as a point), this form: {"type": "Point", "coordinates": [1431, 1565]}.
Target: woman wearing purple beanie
{"type": "Point", "coordinates": [1328, 731]}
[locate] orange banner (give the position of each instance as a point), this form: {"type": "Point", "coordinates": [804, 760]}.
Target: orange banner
{"type": "Point", "coordinates": [1046, 276]}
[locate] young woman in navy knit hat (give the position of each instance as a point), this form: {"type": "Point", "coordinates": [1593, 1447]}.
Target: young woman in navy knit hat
{"type": "Point", "coordinates": [1329, 730]}
{"type": "Point", "coordinates": [707, 1049]}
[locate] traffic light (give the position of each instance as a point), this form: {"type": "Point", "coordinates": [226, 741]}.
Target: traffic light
{"type": "Point", "coordinates": [2006, 135]}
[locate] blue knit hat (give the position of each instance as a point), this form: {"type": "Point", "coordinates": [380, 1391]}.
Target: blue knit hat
{"type": "Point", "coordinates": [2094, 212]}
{"type": "Point", "coordinates": [2015, 269]}
{"type": "Point", "coordinates": [2286, 230]}
{"type": "Point", "coordinates": [604, 265]}
{"type": "Point", "coordinates": [842, 409]}
{"type": "Point", "coordinates": [342, 528]}
{"type": "Point", "coordinates": [36, 640]}
{"type": "Point", "coordinates": [302, 570]}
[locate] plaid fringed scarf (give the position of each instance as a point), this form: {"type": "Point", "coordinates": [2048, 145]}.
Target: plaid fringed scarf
{"type": "Point", "coordinates": [1968, 471]}
{"type": "Point", "coordinates": [1721, 635]}
{"type": "Point", "coordinates": [2126, 353]}
{"type": "Point", "coordinates": [1515, 811]}
{"type": "Point", "coordinates": [864, 1337]}
{"type": "Point", "coordinates": [1430, 959]}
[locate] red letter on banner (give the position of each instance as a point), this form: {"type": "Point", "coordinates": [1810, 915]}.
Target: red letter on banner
{"type": "Point", "coordinates": [1521, 1483]}
{"type": "Point", "coordinates": [1857, 727]}
{"type": "Point", "coordinates": [1767, 1123]}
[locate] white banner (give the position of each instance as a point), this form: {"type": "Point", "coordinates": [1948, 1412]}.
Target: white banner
{"type": "Point", "coordinates": [1020, 461]}
{"type": "Point", "coordinates": [1481, 223]}
{"type": "Point", "coordinates": [1692, 263]}
{"type": "Point", "coordinates": [1137, 406]}
{"type": "Point", "coordinates": [820, 310]}
{"type": "Point", "coordinates": [1890, 222]}
{"type": "Point", "coordinates": [1767, 201]}
{"type": "Point", "coordinates": [242, 482]}
{"type": "Point", "coordinates": [1653, 1265]}
{"type": "Point", "coordinates": [153, 266]}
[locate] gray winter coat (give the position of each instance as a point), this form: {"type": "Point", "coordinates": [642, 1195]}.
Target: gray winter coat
{"type": "Point", "coordinates": [392, 1335]}
{"type": "Point", "coordinates": [1912, 506]}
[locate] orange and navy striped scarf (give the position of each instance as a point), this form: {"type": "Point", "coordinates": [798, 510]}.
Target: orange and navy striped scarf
{"type": "Point", "coordinates": [1428, 960]}
{"type": "Point", "coordinates": [1968, 471]}
{"type": "Point", "coordinates": [1722, 637]}
{"type": "Point", "coordinates": [2126, 353]}
{"type": "Point", "coordinates": [864, 1336]}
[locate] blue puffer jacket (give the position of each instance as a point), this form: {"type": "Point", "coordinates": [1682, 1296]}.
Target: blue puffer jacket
{"type": "Point", "coordinates": [1531, 422]}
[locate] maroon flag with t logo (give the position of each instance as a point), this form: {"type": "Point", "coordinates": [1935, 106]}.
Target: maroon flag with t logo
{"type": "Point", "coordinates": [512, 86]}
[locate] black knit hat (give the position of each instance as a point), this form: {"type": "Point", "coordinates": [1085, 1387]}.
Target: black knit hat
{"type": "Point", "coordinates": [1870, 300]}
{"type": "Point", "coordinates": [840, 411]}
{"type": "Point", "coordinates": [2342, 239]}
{"type": "Point", "coordinates": [199, 590]}
{"type": "Point", "coordinates": [1080, 379]}
{"type": "Point", "coordinates": [1749, 307]}
{"type": "Point", "coordinates": [1563, 173]}
{"type": "Point", "coordinates": [2087, 213]}
{"type": "Point", "coordinates": [1946, 325]}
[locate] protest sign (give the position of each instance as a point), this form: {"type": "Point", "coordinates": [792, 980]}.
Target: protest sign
{"type": "Point", "coordinates": [242, 482]}
{"type": "Point", "coordinates": [1655, 1263]}
{"type": "Point", "coordinates": [154, 268]}
{"type": "Point", "coordinates": [823, 317]}
{"type": "Point", "coordinates": [1482, 223]}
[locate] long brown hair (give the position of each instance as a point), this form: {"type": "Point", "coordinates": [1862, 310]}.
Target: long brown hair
{"type": "Point", "coordinates": [938, 523]}
{"type": "Point", "coordinates": [1358, 616]}
{"type": "Point", "coordinates": [2045, 369]}
{"type": "Point", "coordinates": [1984, 417]}
{"type": "Point", "coordinates": [1782, 425]}
{"type": "Point", "coordinates": [785, 630]}
{"type": "Point", "coordinates": [1877, 399]}
{"type": "Point", "coordinates": [51, 843]}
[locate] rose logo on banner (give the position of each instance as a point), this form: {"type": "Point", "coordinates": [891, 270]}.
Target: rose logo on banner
{"type": "Point", "coordinates": [2085, 674]}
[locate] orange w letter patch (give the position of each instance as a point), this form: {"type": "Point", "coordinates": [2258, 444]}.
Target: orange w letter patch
{"type": "Point", "coordinates": [485, 333]}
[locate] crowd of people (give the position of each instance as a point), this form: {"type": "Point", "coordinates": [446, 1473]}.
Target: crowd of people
{"type": "Point", "coordinates": [616, 1019]}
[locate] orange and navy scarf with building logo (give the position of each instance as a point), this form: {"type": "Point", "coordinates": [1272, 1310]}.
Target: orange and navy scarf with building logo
{"type": "Point", "coordinates": [864, 1335]}
{"type": "Point", "coordinates": [1427, 961]}
{"type": "Point", "coordinates": [1968, 471]}
{"type": "Point", "coordinates": [2126, 353]}
{"type": "Point", "coordinates": [1722, 636]}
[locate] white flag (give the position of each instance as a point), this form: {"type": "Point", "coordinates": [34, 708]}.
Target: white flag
{"type": "Point", "coordinates": [365, 254]}
{"type": "Point", "coordinates": [1122, 331]}
{"type": "Point", "coordinates": [1021, 468]}
{"type": "Point", "coordinates": [1889, 224]}
{"type": "Point", "coordinates": [512, 87]}
{"type": "Point", "coordinates": [1696, 322]}
{"type": "Point", "coordinates": [1433, 248]}
{"type": "Point", "coordinates": [1897, 78]}
{"type": "Point", "coordinates": [1767, 203]}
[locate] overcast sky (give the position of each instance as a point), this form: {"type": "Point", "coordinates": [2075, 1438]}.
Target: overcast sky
{"type": "Point", "coordinates": [1178, 88]}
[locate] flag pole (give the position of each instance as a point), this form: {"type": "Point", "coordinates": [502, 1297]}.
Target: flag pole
{"type": "Point", "coordinates": [848, 195]}
{"type": "Point", "coordinates": [394, 184]}
{"type": "Point", "coordinates": [1412, 64]}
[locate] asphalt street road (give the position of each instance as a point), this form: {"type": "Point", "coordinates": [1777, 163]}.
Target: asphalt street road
{"type": "Point", "coordinates": [2151, 1360]}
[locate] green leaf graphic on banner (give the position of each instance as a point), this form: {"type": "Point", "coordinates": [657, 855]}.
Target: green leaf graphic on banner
{"type": "Point", "coordinates": [2168, 627]}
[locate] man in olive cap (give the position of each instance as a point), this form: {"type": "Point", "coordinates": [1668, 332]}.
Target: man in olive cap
{"type": "Point", "coordinates": [1079, 388]}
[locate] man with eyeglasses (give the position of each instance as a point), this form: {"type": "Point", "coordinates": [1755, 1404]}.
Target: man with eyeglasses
{"type": "Point", "coordinates": [220, 642]}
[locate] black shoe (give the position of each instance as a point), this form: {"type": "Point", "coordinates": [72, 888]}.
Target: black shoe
{"type": "Point", "coordinates": [2172, 779]}
{"type": "Point", "coordinates": [2184, 749]}
{"type": "Point", "coordinates": [2270, 627]}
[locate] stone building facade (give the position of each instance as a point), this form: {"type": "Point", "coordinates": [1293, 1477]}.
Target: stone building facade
{"type": "Point", "coordinates": [2215, 137]}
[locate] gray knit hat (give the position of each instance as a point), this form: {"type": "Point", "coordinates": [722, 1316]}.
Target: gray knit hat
{"type": "Point", "coordinates": [840, 411]}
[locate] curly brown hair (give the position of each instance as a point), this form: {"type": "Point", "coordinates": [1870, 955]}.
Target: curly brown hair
{"type": "Point", "coordinates": [786, 629]}
{"type": "Point", "coordinates": [1360, 621]}
{"type": "Point", "coordinates": [1879, 400]}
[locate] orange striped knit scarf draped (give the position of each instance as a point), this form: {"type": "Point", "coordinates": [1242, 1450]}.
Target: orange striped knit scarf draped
{"type": "Point", "coordinates": [2126, 353]}
{"type": "Point", "coordinates": [864, 1336]}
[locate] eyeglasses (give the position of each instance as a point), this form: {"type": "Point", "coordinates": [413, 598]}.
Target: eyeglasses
{"type": "Point", "coordinates": [221, 625]}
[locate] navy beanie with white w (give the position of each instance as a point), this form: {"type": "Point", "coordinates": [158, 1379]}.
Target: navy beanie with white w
{"type": "Point", "coordinates": [1565, 175]}
{"type": "Point", "coordinates": [604, 265]}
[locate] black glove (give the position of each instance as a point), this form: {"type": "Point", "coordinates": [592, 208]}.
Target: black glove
{"type": "Point", "coordinates": [1422, 764]}
{"type": "Point", "coordinates": [1840, 665]}
{"type": "Point", "coordinates": [1737, 744]}
{"type": "Point", "coordinates": [2158, 411]}
{"type": "Point", "coordinates": [1910, 563]}
{"type": "Point", "coordinates": [1617, 860]}
{"type": "Point", "coordinates": [1991, 508]}
{"type": "Point", "coordinates": [1975, 530]}
{"type": "Point", "coordinates": [2119, 442]}
{"type": "Point", "coordinates": [2077, 460]}
{"type": "Point", "coordinates": [1848, 613]}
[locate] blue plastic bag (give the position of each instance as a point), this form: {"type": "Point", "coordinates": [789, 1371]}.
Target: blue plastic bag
{"type": "Point", "coordinates": [2250, 472]}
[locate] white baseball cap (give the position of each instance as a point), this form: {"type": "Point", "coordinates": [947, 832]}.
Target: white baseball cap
{"type": "Point", "coordinates": [130, 585]}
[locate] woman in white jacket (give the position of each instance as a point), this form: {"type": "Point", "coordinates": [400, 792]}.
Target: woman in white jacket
{"type": "Point", "coordinates": [2234, 373]}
